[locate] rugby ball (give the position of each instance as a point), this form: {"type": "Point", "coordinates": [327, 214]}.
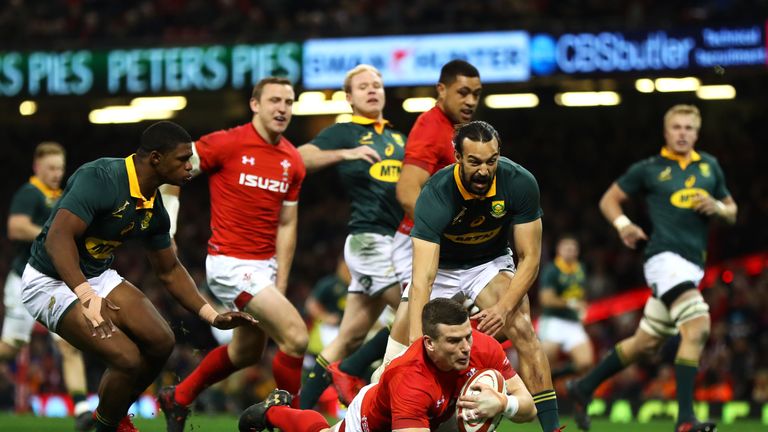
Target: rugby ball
{"type": "Point", "coordinates": [493, 379]}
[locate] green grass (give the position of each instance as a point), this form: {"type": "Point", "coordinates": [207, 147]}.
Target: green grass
{"type": "Point", "coordinates": [201, 423]}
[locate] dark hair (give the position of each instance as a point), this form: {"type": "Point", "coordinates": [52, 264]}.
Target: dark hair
{"type": "Point", "coordinates": [476, 131]}
{"type": "Point", "coordinates": [162, 137]}
{"type": "Point", "coordinates": [441, 311]}
{"type": "Point", "coordinates": [256, 93]}
{"type": "Point", "coordinates": [455, 68]}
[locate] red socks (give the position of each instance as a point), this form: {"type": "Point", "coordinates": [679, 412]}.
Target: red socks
{"type": "Point", "coordinates": [287, 372]}
{"type": "Point", "coordinates": [215, 367]}
{"type": "Point", "coordinates": [293, 420]}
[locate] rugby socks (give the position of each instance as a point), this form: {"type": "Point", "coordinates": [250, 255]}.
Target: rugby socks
{"type": "Point", "coordinates": [215, 367]}
{"type": "Point", "coordinates": [102, 424]}
{"type": "Point", "coordinates": [685, 376]}
{"type": "Point", "coordinates": [292, 420]}
{"type": "Point", "coordinates": [287, 372]}
{"type": "Point", "coordinates": [608, 366]}
{"type": "Point", "coordinates": [546, 410]}
{"type": "Point", "coordinates": [317, 381]}
{"type": "Point", "coordinates": [359, 362]}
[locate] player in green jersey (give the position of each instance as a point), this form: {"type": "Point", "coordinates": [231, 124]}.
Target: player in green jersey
{"type": "Point", "coordinates": [563, 303]}
{"type": "Point", "coordinates": [684, 189]}
{"type": "Point", "coordinates": [368, 155]}
{"type": "Point", "coordinates": [30, 208]}
{"type": "Point", "coordinates": [68, 284]}
{"type": "Point", "coordinates": [463, 219]}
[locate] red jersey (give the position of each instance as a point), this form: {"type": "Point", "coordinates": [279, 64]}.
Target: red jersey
{"type": "Point", "coordinates": [413, 393]}
{"type": "Point", "coordinates": [429, 146]}
{"type": "Point", "coordinates": [250, 180]}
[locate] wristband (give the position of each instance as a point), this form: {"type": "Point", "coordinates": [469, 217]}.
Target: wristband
{"type": "Point", "coordinates": [512, 406]}
{"type": "Point", "coordinates": [621, 222]}
{"type": "Point", "coordinates": [208, 313]}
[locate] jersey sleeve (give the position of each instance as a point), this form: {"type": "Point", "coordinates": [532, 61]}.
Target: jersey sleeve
{"type": "Point", "coordinates": [493, 355]}
{"type": "Point", "coordinates": [410, 401]}
{"type": "Point", "coordinates": [159, 238]}
{"type": "Point", "coordinates": [721, 189]}
{"type": "Point", "coordinates": [526, 205]}
{"type": "Point", "coordinates": [213, 149]}
{"type": "Point", "coordinates": [296, 180]}
{"type": "Point", "coordinates": [332, 138]}
{"type": "Point", "coordinates": [421, 148]}
{"type": "Point", "coordinates": [24, 202]}
{"type": "Point", "coordinates": [89, 191]}
{"type": "Point", "coordinates": [548, 277]}
{"type": "Point", "coordinates": [633, 181]}
{"type": "Point", "coordinates": [432, 214]}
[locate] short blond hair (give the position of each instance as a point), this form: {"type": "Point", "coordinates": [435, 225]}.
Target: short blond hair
{"type": "Point", "coordinates": [48, 148]}
{"type": "Point", "coordinates": [355, 71]}
{"type": "Point", "coordinates": [683, 109]}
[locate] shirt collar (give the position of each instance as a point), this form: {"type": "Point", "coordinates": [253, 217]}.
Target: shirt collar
{"type": "Point", "coordinates": [681, 160]}
{"type": "Point", "coordinates": [365, 121]}
{"type": "Point", "coordinates": [467, 195]}
{"type": "Point", "coordinates": [46, 191]}
{"type": "Point", "coordinates": [133, 182]}
{"type": "Point", "coordinates": [566, 267]}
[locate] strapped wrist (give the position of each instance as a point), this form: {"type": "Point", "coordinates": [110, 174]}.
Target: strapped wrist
{"type": "Point", "coordinates": [512, 406]}
{"type": "Point", "coordinates": [208, 313]}
{"type": "Point", "coordinates": [621, 222]}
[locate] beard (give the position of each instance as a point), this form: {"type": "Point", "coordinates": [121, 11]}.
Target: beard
{"type": "Point", "coordinates": [477, 184]}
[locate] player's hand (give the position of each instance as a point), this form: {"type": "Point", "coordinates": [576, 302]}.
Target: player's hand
{"type": "Point", "coordinates": [492, 320]}
{"type": "Point", "coordinates": [94, 318]}
{"type": "Point", "coordinates": [631, 234]}
{"type": "Point", "coordinates": [230, 320]}
{"type": "Point", "coordinates": [706, 205]}
{"type": "Point", "coordinates": [363, 152]}
{"type": "Point", "coordinates": [486, 404]}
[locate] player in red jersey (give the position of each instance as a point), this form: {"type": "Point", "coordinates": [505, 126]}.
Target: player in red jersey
{"type": "Point", "coordinates": [420, 389]}
{"type": "Point", "coordinates": [255, 177]}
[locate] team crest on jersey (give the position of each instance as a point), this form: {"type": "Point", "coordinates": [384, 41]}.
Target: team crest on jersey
{"type": "Point", "coordinates": [705, 170]}
{"type": "Point", "coordinates": [118, 213]}
{"type": "Point", "coordinates": [145, 220]}
{"type": "Point", "coordinates": [665, 174]}
{"type": "Point", "coordinates": [285, 164]}
{"type": "Point", "coordinates": [398, 139]}
{"type": "Point", "coordinates": [366, 139]}
{"type": "Point", "coordinates": [498, 209]}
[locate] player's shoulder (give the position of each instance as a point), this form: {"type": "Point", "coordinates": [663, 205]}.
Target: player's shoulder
{"type": "Point", "coordinates": [28, 189]}
{"type": "Point", "coordinates": [442, 179]}
{"type": "Point", "coordinates": [228, 135]}
{"type": "Point", "coordinates": [101, 167]}
{"type": "Point", "coordinates": [707, 157]}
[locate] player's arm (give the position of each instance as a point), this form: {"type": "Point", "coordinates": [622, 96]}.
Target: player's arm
{"type": "Point", "coordinates": [527, 239]}
{"type": "Point", "coordinates": [21, 228]}
{"type": "Point", "coordinates": [516, 405]}
{"type": "Point", "coordinates": [548, 298]}
{"type": "Point", "coordinates": [171, 193]}
{"type": "Point", "coordinates": [412, 179]}
{"type": "Point", "coordinates": [179, 283]}
{"type": "Point", "coordinates": [62, 249]}
{"type": "Point", "coordinates": [316, 158]}
{"type": "Point", "coordinates": [724, 209]}
{"type": "Point", "coordinates": [286, 243]}
{"type": "Point", "coordinates": [610, 206]}
{"type": "Point", "coordinates": [426, 256]}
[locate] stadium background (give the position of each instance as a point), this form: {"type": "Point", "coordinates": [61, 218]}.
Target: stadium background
{"type": "Point", "coordinates": [575, 152]}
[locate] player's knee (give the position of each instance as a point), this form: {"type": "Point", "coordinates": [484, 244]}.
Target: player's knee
{"type": "Point", "coordinates": [696, 331]}
{"type": "Point", "coordinates": [521, 330]}
{"type": "Point", "coordinates": [296, 341]}
{"type": "Point", "coordinates": [8, 351]}
{"type": "Point", "coordinates": [126, 361]}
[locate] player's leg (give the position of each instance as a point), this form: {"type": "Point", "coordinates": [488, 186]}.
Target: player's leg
{"type": "Point", "coordinates": [582, 357]}
{"type": "Point", "coordinates": [360, 313]}
{"type": "Point", "coordinates": [486, 285]}
{"type": "Point", "coordinates": [17, 322]}
{"type": "Point", "coordinates": [73, 371]}
{"type": "Point", "coordinates": [275, 412]}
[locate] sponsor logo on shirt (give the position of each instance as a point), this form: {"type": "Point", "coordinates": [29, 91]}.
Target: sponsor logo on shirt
{"type": "Point", "coordinates": [387, 170]}
{"type": "Point", "coordinates": [473, 238]}
{"type": "Point", "coordinates": [100, 249]}
{"type": "Point", "coordinates": [127, 229]}
{"type": "Point", "coordinates": [458, 218]}
{"type": "Point", "coordinates": [249, 160]}
{"type": "Point", "coordinates": [686, 198]}
{"type": "Point", "coordinates": [271, 185]}
{"type": "Point", "coordinates": [477, 222]}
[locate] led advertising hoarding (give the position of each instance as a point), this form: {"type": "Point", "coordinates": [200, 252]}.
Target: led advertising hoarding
{"type": "Point", "coordinates": [146, 70]}
{"type": "Point", "coordinates": [417, 59]}
{"type": "Point", "coordinates": [658, 50]}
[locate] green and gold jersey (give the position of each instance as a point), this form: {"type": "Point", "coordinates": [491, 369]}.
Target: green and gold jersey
{"type": "Point", "coordinates": [670, 187]}
{"type": "Point", "coordinates": [35, 200]}
{"type": "Point", "coordinates": [105, 194]}
{"type": "Point", "coordinates": [371, 188]}
{"type": "Point", "coordinates": [472, 229]}
{"type": "Point", "coordinates": [568, 280]}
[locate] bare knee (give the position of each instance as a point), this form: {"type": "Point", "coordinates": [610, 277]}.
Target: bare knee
{"type": "Point", "coordinates": [696, 331]}
{"type": "Point", "coordinates": [162, 345]}
{"type": "Point", "coordinates": [294, 340]}
{"type": "Point", "coordinates": [8, 351]}
{"type": "Point", "coordinates": [521, 331]}
{"type": "Point", "coordinates": [127, 361]}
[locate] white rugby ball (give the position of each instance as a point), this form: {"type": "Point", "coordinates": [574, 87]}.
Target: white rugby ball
{"type": "Point", "coordinates": [493, 379]}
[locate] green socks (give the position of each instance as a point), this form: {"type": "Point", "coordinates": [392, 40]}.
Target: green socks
{"type": "Point", "coordinates": [685, 376]}
{"type": "Point", "coordinates": [608, 366]}
{"type": "Point", "coordinates": [317, 381]}
{"type": "Point", "coordinates": [359, 362]}
{"type": "Point", "coordinates": [546, 407]}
